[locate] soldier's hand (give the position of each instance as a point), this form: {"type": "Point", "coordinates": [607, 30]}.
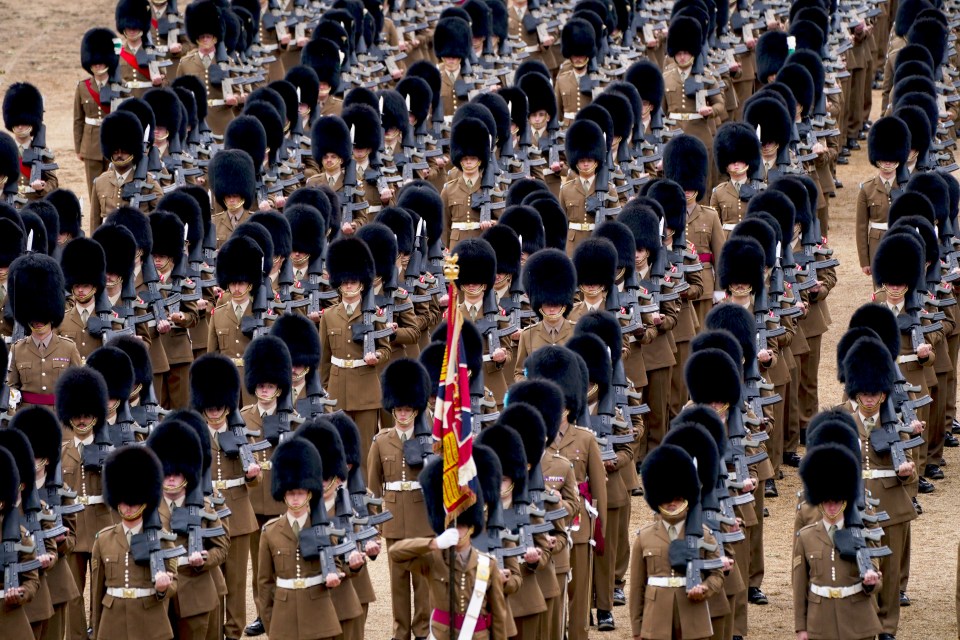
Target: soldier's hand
{"type": "Point", "coordinates": [697, 593]}
{"type": "Point", "coordinates": [727, 563]}
{"type": "Point", "coordinates": [550, 540]}
{"type": "Point", "coordinates": [918, 426]}
{"type": "Point", "coordinates": [802, 635]}
{"type": "Point", "coordinates": [504, 575]}
{"type": "Point", "coordinates": [924, 351]}
{"type": "Point", "coordinates": [396, 74]}
{"type": "Point", "coordinates": [866, 271]}
{"type": "Point", "coordinates": [441, 161]}
{"type": "Point", "coordinates": [499, 355]}
{"type": "Point", "coordinates": [279, 201]}
{"type": "Point", "coordinates": [515, 336]}
{"type": "Point", "coordinates": [871, 578]}
{"type": "Point", "coordinates": [486, 224]}
{"type": "Point", "coordinates": [196, 559]}
{"type": "Point", "coordinates": [706, 112]}
{"type": "Point", "coordinates": [285, 40]}
{"type": "Point", "coordinates": [264, 205]}
{"type": "Point", "coordinates": [718, 296]}
{"type": "Point", "coordinates": [157, 81]}
{"type": "Point", "coordinates": [314, 316]}
{"type": "Point", "coordinates": [47, 560]}
{"type": "Point", "coordinates": [347, 228]}
{"type": "Point", "coordinates": [735, 67]}
{"type": "Point", "coordinates": [163, 326]}
{"type": "Point", "coordinates": [905, 470]}
{"type": "Point", "coordinates": [819, 148]}
{"type": "Point", "coordinates": [177, 318]}
{"type": "Point", "coordinates": [764, 356]}
{"type": "Point", "coordinates": [556, 167]}
{"type": "Point", "coordinates": [532, 556]}
{"type": "Point", "coordinates": [751, 43]}
{"type": "Point", "coordinates": [371, 359]}
{"type": "Point", "coordinates": [610, 465]}
{"type": "Point", "coordinates": [202, 304]}
{"type": "Point", "coordinates": [162, 581]}
{"type": "Point", "coordinates": [79, 158]}
{"type": "Point", "coordinates": [373, 548]}
{"type": "Point", "coordinates": [231, 100]}
{"type": "Point", "coordinates": [13, 596]}
{"type": "Point", "coordinates": [302, 42]}
{"type": "Point", "coordinates": [749, 485]}
{"type": "Point", "coordinates": [333, 580]}
{"type": "Point", "coordinates": [356, 560]}
{"type": "Point", "coordinates": [657, 318]}
{"type": "Point", "coordinates": [386, 195]}
{"type": "Point", "coordinates": [253, 471]}
{"type": "Point", "coordinates": [38, 185]}
{"type": "Point", "coordinates": [176, 47]}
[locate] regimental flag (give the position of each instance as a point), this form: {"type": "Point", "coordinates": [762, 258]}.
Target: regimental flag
{"type": "Point", "coordinates": [452, 420]}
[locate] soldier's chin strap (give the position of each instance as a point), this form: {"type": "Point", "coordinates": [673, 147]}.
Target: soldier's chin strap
{"type": "Point", "coordinates": [676, 515]}
{"type": "Point", "coordinates": [136, 515]}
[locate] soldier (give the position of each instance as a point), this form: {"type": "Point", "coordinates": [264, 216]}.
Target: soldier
{"type": "Point", "coordinates": [323, 56]}
{"type": "Point", "coordinates": [348, 366]}
{"type": "Point", "coordinates": [831, 483]}
{"type": "Point", "coordinates": [205, 28]}
{"type": "Point", "coordinates": [92, 101]}
{"type": "Point", "coordinates": [470, 153]}
{"type": "Point", "coordinates": [215, 393]}
{"type": "Point", "coordinates": [195, 604]}
{"type": "Point", "coordinates": [737, 154]}
{"type": "Point", "coordinates": [888, 147]}
{"type": "Point", "coordinates": [332, 148]}
{"type": "Point", "coordinates": [869, 374]}
{"type": "Point", "coordinates": [671, 488]}
{"type": "Point", "coordinates": [23, 117]}
{"type": "Point", "coordinates": [84, 268]}
{"type": "Point", "coordinates": [121, 140]}
{"type": "Point", "coordinates": [131, 600]}
{"type": "Point", "coordinates": [117, 370]}
{"type": "Point", "coordinates": [232, 183]}
{"type": "Point", "coordinates": [68, 211]}
{"type": "Point", "coordinates": [452, 45]}
{"type": "Point", "coordinates": [550, 280]}
{"type": "Point", "coordinates": [133, 25]}
{"type": "Point", "coordinates": [13, 614]}
{"type": "Point", "coordinates": [587, 154]}
{"type": "Point", "coordinates": [267, 376]}
{"type": "Point", "coordinates": [574, 87]}
{"type": "Point", "coordinates": [38, 360]}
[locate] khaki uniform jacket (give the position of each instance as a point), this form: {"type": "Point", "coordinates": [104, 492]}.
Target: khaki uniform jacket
{"type": "Point", "coordinates": [223, 332]}
{"type": "Point", "coordinates": [687, 323]}
{"type": "Point", "coordinates": [579, 446]}
{"type": "Point", "coordinates": [652, 609]}
{"type": "Point", "coordinates": [224, 226]}
{"type": "Point", "coordinates": [41, 607]}
{"type": "Point", "coordinates": [332, 106]}
{"type": "Point", "coordinates": [177, 343]}
{"type": "Point", "coordinates": [292, 614]}
{"type": "Point", "coordinates": [196, 589]}
{"type": "Point", "coordinates": [433, 564]}
{"type": "Point", "coordinates": [705, 231]}
{"type": "Point", "coordinates": [573, 199]}
{"type": "Point", "coordinates": [817, 562]}
{"type": "Point", "coordinates": [569, 97]}
{"type": "Point", "coordinates": [917, 372]}
{"type": "Point", "coordinates": [676, 101]}
{"type": "Point", "coordinates": [451, 102]}
{"type": "Point", "coordinates": [107, 191]}
{"type": "Point", "coordinates": [728, 205]}
{"type": "Point", "coordinates": [494, 373]}
{"type": "Point", "coordinates": [218, 117]}
{"type": "Point", "coordinates": [112, 566]}
{"type": "Point", "coordinates": [63, 588]}
{"type": "Point", "coordinates": [32, 373]}
{"type": "Point", "coordinates": [891, 492]}
{"type": "Point", "coordinates": [873, 205]}
{"type": "Point", "coordinates": [388, 464]}
{"type": "Point", "coordinates": [530, 41]}
{"type": "Point", "coordinates": [817, 320]}
{"type": "Point", "coordinates": [85, 482]}
{"type": "Point", "coordinates": [456, 198]}
{"type": "Point", "coordinates": [75, 330]}
{"type": "Point", "coordinates": [86, 137]}
{"type": "Point", "coordinates": [222, 468]}
{"type": "Point", "coordinates": [13, 619]}
{"type": "Point", "coordinates": [158, 355]}
{"type": "Point", "coordinates": [558, 476]}
{"type": "Point", "coordinates": [354, 389]}
{"type": "Point", "coordinates": [534, 337]}
{"type": "Point", "coordinates": [659, 353]}
{"type": "Point", "coordinates": [260, 497]}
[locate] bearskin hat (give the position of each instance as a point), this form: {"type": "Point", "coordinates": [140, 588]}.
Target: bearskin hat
{"type": "Point", "coordinates": [22, 104]}
{"type": "Point", "coordinates": [83, 262]}
{"type": "Point", "coordinates": [363, 123]}
{"type": "Point", "coordinates": [239, 260]}
{"type": "Point", "coordinates": [330, 134]}
{"type": "Point", "coordinates": [300, 336]}
{"type": "Point", "coordinates": [405, 383]}
{"type": "Point", "coordinates": [453, 38]}
{"type": "Point", "coordinates": [308, 229]}
{"type": "Point", "coordinates": [202, 18]}
{"type": "Point", "coordinates": [267, 361]}
{"type": "Point", "coordinates": [400, 224]}
{"type": "Point", "coordinates": [81, 391]}
{"type": "Point", "coordinates": [526, 222]}
{"type": "Point", "coordinates": [880, 319]}
{"type": "Point", "coordinates": [325, 437]}
{"type": "Point", "coordinates": [507, 444]}
{"type": "Point", "coordinates": [539, 92]}
{"type": "Point", "coordinates": [578, 38]}
{"type": "Point", "coordinates": [418, 95]}
{"type": "Point", "coordinates": [585, 141]}
{"type": "Point", "coordinates": [932, 186]}
{"type": "Point", "coordinates": [68, 210]}
{"type": "Point", "coordinates": [544, 395]}
{"type": "Point", "coordinates": [117, 370]}
{"type": "Point", "coordinates": [177, 445]}
{"type": "Point", "coordinates": [554, 219]}
{"type": "Point", "coordinates": [527, 421]}
{"type": "Point", "coordinates": [121, 131]}
{"type": "Point", "coordinates": [898, 261]}
{"type": "Point", "coordinates": [383, 247]}
{"type": "Point", "coordinates": [736, 142]}
{"type": "Point", "coordinates": [834, 427]}
{"type": "Point", "coordinates": [595, 260]}
{"type": "Point", "coordinates": [830, 473]}
{"type": "Point", "coordinates": [97, 48]}
{"type": "Point", "coordinates": [233, 173]}
{"type": "Point", "coordinates": [562, 366]}
{"type": "Point", "coordinates": [139, 358]}
{"type": "Point", "coordinates": [296, 464]}
{"type": "Point", "coordinates": [668, 472]}
{"type": "Point", "coordinates": [119, 247]}
{"type": "Point", "coordinates": [741, 262]}
{"type": "Point", "coordinates": [549, 277]}
{"type": "Point", "coordinates": [470, 137]}
{"type": "Point", "coordinates": [477, 262]}
{"type": "Point", "coordinates": [705, 382]}
{"type": "Point", "coordinates": [29, 274]}
{"type": "Point", "coordinates": [868, 368]}
{"type": "Point", "coordinates": [350, 259]}
{"type": "Point", "coordinates": [133, 475]}
{"type": "Point", "coordinates": [506, 247]}
{"type": "Point", "coordinates": [214, 383]}
{"type": "Point", "coordinates": [699, 444]}
{"type": "Point", "coordinates": [772, 54]}
{"type": "Point", "coordinates": [722, 340]}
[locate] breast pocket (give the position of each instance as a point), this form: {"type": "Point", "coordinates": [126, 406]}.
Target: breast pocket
{"type": "Point", "coordinates": [814, 559]}
{"type": "Point", "coordinates": [653, 558]}
{"type": "Point", "coordinates": [26, 373]}
{"type": "Point", "coordinates": [283, 561]}
{"type": "Point", "coordinates": [113, 568]}
{"type": "Point", "coordinates": [336, 339]}
{"type": "Point", "coordinates": [223, 339]}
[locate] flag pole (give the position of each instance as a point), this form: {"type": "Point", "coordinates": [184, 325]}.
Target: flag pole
{"type": "Point", "coordinates": [451, 271]}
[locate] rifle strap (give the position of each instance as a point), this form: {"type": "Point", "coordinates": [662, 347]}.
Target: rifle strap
{"type": "Point", "coordinates": [476, 599]}
{"type": "Point", "coordinates": [131, 60]}
{"type": "Point", "coordinates": [95, 95]}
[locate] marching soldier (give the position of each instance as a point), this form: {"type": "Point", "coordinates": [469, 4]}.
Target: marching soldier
{"type": "Point", "coordinates": [133, 25]}
{"type": "Point", "coordinates": [586, 153]}
{"type": "Point", "coordinates": [332, 148]}
{"type": "Point", "coordinates": [737, 154]}
{"type": "Point", "coordinates": [13, 614]}
{"type": "Point", "coordinates": [888, 147]}
{"type": "Point", "coordinates": [84, 269]}
{"type": "Point", "coordinates": [205, 28]}
{"type": "Point", "coordinates": [550, 280]}
{"type": "Point", "coordinates": [233, 185]}
{"type": "Point", "coordinates": [470, 153]}
{"type": "Point", "coordinates": [452, 45]}
{"type": "Point", "coordinates": [573, 89]}
{"type": "Point", "coordinates": [129, 600]}
{"type": "Point", "coordinates": [23, 117]}
{"type": "Point", "coordinates": [323, 56]}
{"type": "Point", "coordinates": [92, 101]}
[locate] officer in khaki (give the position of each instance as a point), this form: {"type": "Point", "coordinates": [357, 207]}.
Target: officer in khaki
{"type": "Point", "coordinates": [13, 614]}
{"type": "Point", "coordinates": [452, 44]}
{"type": "Point", "coordinates": [578, 44]}
{"type": "Point", "coordinates": [98, 58]}
{"type": "Point", "coordinates": [470, 153]}
{"type": "Point", "coordinates": [587, 151]}
{"type": "Point", "coordinates": [205, 28]}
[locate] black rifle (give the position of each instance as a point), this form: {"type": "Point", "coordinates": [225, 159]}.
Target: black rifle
{"type": "Point", "coordinates": [364, 331]}
{"type": "Point", "coordinates": [95, 453]}
{"type": "Point", "coordinates": [11, 546]}
{"type": "Point", "coordinates": [53, 493]}
{"type": "Point", "coordinates": [684, 554]}
{"type": "Point", "coordinates": [539, 498]}
{"type": "Point", "coordinates": [886, 438]}
{"type": "Point", "coordinates": [316, 400]}
{"type": "Point", "coordinates": [852, 544]}
{"type": "Point", "coordinates": [362, 501]}
{"type": "Point", "coordinates": [316, 541]}
{"type": "Point", "coordinates": [188, 521]}
{"type": "Point", "coordinates": [234, 444]}
{"type": "Point", "coordinates": [147, 546]}
{"type": "Point", "coordinates": [418, 450]}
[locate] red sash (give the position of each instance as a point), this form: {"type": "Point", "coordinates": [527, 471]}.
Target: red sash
{"type": "Point", "coordinates": [95, 95]}
{"type": "Point", "coordinates": [154, 23]}
{"type": "Point", "coordinates": [24, 170]}
{"type": "Point", "coordinates": [132, 61]}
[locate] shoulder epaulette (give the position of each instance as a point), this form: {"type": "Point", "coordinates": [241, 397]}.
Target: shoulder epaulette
{"type": "Point", "coordinates": [271, 521]}
{"type": "Point", "coordinates": [103, 530]}
{"type": "Point", "coordinates": [576, 426]}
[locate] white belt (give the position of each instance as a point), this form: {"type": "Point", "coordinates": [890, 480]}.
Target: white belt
{"type": "Point", "coordinates": [666, 582]}
{"type": "Point", "coordinates": [631, 338]}
{"type": "Point", "coordinates": [402, 486]}
{"type": "Point", "coordinates": [85, 500]}
{"type": "Point", "coordinates": [220, 485]}
{"type": "Point", "coordinates": [466, 226]}
{"type": "Point", "coordinates": [269, 47]}
{"type": "Point", "coordinates": [93, 122]}
{"type": "Point", "coordinates": [129, 594]}
{"type": "Point", "coordinates": [836, 592]}
{"type": "Point", "coordinates": [347, 364]}
{"type": "Point", "coordinates": [533, 49]}
{"type": "Point", "coordinates": [300, 583]}
{"type": "Point", "coordinates": [882, 226]}
{"type": "Point", "coordinates": [873, 474]}
{"type": "Point", "coordinates": [908, 358]}
{"type": "Point", "coordinates": [374, 208]}
{"type": "Point", "coordinates": [136, 84]}
{"type": "Point", "coordinates": [569, 115]}
{"type": "Point", "coordinates": [728, 227]}
{"type": "Point", "coordinates": [582, 226]}
{"type": "Point", "coordinates": [216, 102]}
{"type": "Point", "coordinates": [685, 116]}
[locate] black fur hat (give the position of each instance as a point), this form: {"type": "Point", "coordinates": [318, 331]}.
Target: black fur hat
{"type": "Point", "coordinates": [202, 18]}
{"type": "Point", "coordinates": [527, 421]}
{"type": "Point", "coordinates": [267, 361]}
{"type": "Point", "coordinates": [539, 92]}
{"type": "Point", "coordinates": [11, 242]}
{"type": "Point", "coordinates": [246, 133]}
{"type": "Point", "coordinates": [49, 225]}
{"type": "Point", "coordinates": [759, 228]}
{"type": "Point", "coordinates": [29, 274]}
{"type": "Point", "coordinates": [648, 80]}
{"type": "Point", "coordinates": [136, 350]}
{"type": "Point", "coordinates": [518, 107]}
{"type": "Point", "coordinates": [214, 383]}
{"type": "Point", "coordinates": [168, 235]}
{"type": "Point", "coordinates": [279, 229]}
{"type": "Point", "coordinates": [685, 34]}
{"type": "Point", "coordinates": [187, 208]}
{"type": "Point", "coordinates": [497, 105]}
{"type": "Point", "coordinates": [33, 224]}
{"type": "Point", "coordinates": [9, 158]}
{"type": "Point", "coordinates": [133, 476]}
{"type": "Point", "coordinates": [602, 118]}
{"type": "Point", "coordinates": [177, 446]}
{"type": "Point", "coordinates": [9, 482]}
{"type": "Point", "coordinates": [272, 122]}
{"type": "Point", "coordinates": [526, 222]}
{"type": "Point", "coordinates": [119, 247]}
{"type": "Point", "coordinates": [331, 134]}
{"type": "Point", "coordinates": [645, 227]}
{"type": "Point", "coordinates": [595, 260]}
{"type": "Point", "coordinates": [166, 109]}
{"type": "Point", "coordinates": [233, 173]}
{"type": "Point", "coordinates": [97, 48]}
{"type": "Point", "coordinates": [621, 111]}
{"type": "Point", "coordinates": [259, 234]}
{"type": "Point", "coordinates": [42, 431]}
{"type": "Point", "coordinates": [430, 74]}
{"type": "Point", "coordinates": [562, 366]}
{"type": "Point", "coordinates": [913, 53]}
{"type": "Point", "coordinates": [888, 141]}
{"type": "Point", "coordinates": [686, 162]}
{"type": "Point", "coordinates": [116, 367]}
{"type": "Point", "coordinates": [506, 247]}
{"type": "Point", "coordinates": [771, 117]}
{"type": "Point", "coordinates": [296, 464]}
{"type": "Point", "coordinates": [603, 325]}
{"type": "Point", "coordinates": [782, 200]}
{"type": "Point", "coordinates": [553, 217]}
{"type": "Point", "coordinates": [363, 123]}
{"type": "Point", "coordinates": [308, 229]}
{"type": "Point", "coordinates": [711, 375]}
{"type": "Point", "coordinates": [736, 142]}
{"type": "Point", "coordinates": [868, 368]}
{"type": "Point", "coordinates": [121, 131]}
{"type": "Point", "coordinates": [383, 247]}
{"type": "Point", "coordinates": [68, 210]}
{"type": "Point", "coordinates": [669, 194]}
{"type": "Point", "coordinates": [81, 391]}
{"type": "Point", "coordinates": [699, 444]}
{"type": "Point", "coordinates": [932, 186]}
{"type": "Point", "coordinates": [707, 418]}
{"type": "Point", "coordinates": [350, 259]}
{"type": "Point", "coordinates": [17, 444]}
{"type": "Point", "coordinates": [420, 96]}
{"type": "Point", "coordinates": [300, 336]}
{"type": "Point", "coordinates": [834, 427]}
{"type": "Point", "coordinates": [623, 241]}
{"type": "Point", "coordinates": [830, 473]}
{"type": "Point", "coordinates": [83, 262]}
{"type": "Point", "coordinates": [585, 140]}
{"type": "Point", "coordinates": [549, 277]}
{"type": "Point", "coordinates": [578, 38]}
{"type": "Point", "coordinates": [196, 87]}
{"type": "Point", "coordinates": [544, 395]}
{"type": "Point", "coordinates": [22, 104]}
{"type": "Point", "coordinates": [847, 340]}
{"type": "Point", "coordinates": [399, 222]}
{"type": "Point", "coordinates": [741, 262]}
{"type": "Point", "coordinates": [422, 198]}
{"type": "Point", "coordinates": [719, 339]}
{"type": "Point", "coordinates": [405, 383]}
{"type": "Point", "coordinates": [595, 355]}
{"type": "Point", "coordinates": [239, 260]}
{"type": "Point", "coordinates": [393, 112]}
{"type": "Point", "coordinates": [880, 319]}
{"type": "Point", "coordinates": [898, 261]}
{"type": "Point", "coordinates": [470, 136]}
{"type": "Point", "coordinates": [306, 81]}
{"type": "Point", "coordinates": [772, 54]}
{"type": "Point", "coordinates": [349, 437]}
{"type": "Point", "coordinates": [907, 12]}
{"type": "Point", "coordinates": [477, 262]}
{"type": "Point", "coordinates": [504, 441]}
{"type": "Point", "coordinates": [920, 227]}
{"type": "Point", "coordinates": [431, 482]}
{"type": "Point", "coordinates": [325, 437]}
{"type": "Point", "coordinates": [668, 472]}
{"type": "Point", "coordinates": [933, 35]}
{"type": "Point", "coordinates": [453, 38]}
{"type": "Point", "coordinates": [520, 189]}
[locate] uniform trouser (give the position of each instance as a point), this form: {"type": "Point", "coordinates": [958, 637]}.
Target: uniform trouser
{"type": "Point", "coordinates": [937, 428]}
{"type": "Point", "coordinates": [557, 611]}
{"type": "Point", "coordinates": [189, 628]}
{"type": "Point", "coordinates": [578, 592]}
{"type": "Point", "coordinates": [623, 545]}
{"type": "Point", "coordinates": [174, 387]}
{"type": "Point", "coordinates": [779, 411]}
{"type": "Point", "coordinates": [854, 100]}
{"type": "Point", "coordinates": [215, 625]}
{"type": "Point", "coordinates": [678, 388]}
{"type": "Point", "coordinates": [235, 573]}
{"type": "Point", "coordinates": [703, 307]}
{"type": "Point", "coordinates": [255, 559]}
{"type": "Point", "coordinates": [870, 73]}
{"type": "Point", "coordinates": [744, 89]}
{"type": "Point", "coordinates": [401, 581]}
{"type": "Point", "coordinates": [739, 606]}
{"type": "Point", "coordinates": [897, 537]}
{"type": "Point", "coordinates": [953, 345]}
{"type": "Point", "coordinates": [352, 629]}
{"type": "Point", "coordinates": [658, 399]}
{"type": "Point", "coordinates": [76, 612]}
{"type": "Point", "coordinates": [367, 422]}
{"type": "Point", "coordinates": [920, 453]}
{"type": "Point", "coordinates": [92, 169]}
{"type": "Point", "coordinates": [39, 628]}
{"type": "Point", "coordinates": [791, 434]}
{"type": "Point", "coordinates": [935, 410]}
{"type": "Point", "coordinates": [528, 627]}
{"type": "Point", "coordinates": [905, 563]}
{"type": "Point", "coordinates": [809, 397]}
{"type": "Point", "coordinates": [756, 565]}
{"type": "Point", "coordinates": [57, 624]}
{"type": "Point", "coordinates": [604, 566]}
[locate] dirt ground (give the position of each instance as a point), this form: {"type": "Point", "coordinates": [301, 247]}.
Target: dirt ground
{"type": "Point", "coordinates": [41, 45]}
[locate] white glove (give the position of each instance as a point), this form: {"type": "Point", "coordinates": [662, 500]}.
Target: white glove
{"type": "Point", "coordinates": [718, 296]}
{"type": "Point", "coordinates": [448, 538]}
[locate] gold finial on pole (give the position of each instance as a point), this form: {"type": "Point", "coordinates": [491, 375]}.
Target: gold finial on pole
{"type": "Point", "coordinates": [450, 268]}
